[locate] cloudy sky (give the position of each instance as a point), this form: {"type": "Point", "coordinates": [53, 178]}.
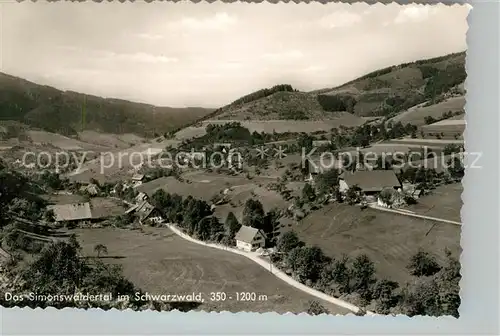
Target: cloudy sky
{"type": "Point", "coordinates": [204, 54]}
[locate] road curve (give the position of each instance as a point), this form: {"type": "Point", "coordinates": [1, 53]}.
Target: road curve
{"type": "Point", "coordinates": [274, 270]}
{"type": "Point", "coordinates": [411, 214]}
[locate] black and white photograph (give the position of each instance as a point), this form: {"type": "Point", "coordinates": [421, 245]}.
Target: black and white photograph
{"type": "Point", "coordinates": [243, 157]}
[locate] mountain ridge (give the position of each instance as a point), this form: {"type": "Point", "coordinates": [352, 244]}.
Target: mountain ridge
{"type": "Point", "coordinates": [68, 112]}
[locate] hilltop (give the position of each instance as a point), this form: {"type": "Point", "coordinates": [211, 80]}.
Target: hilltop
{"type": "Point", "coordinates": [67, 112]}
{"type": "Point", "coordinates": [389, 91]}
{"type": "Point", "coordinates": [382, 93]}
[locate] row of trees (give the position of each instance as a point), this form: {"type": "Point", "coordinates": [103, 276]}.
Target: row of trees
{"type": "Point", "coordinates": [434, 291]}
{"type": "Point", "coordinates": [195, 217]}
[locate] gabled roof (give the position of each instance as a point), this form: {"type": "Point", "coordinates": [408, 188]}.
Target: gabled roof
{"type": "Point", "coordinates": [141, 196]}
{"type": "Point", "coordinates": [137, 177]}
{"type": "Point", "coordinates": [145, 209]}
{"type": "Point", "coordinates": [372, 180]}
{"type": "Point", "coordinates": [91, 189]}
{"type": "Point", "coordinates": [70, 212]}
{"type": "Point", "coordinates": [247, 234]}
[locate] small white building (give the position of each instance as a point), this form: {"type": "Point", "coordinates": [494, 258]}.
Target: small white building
{"type": "Point", "coordinates": [390, 198]}
{"type": "Point", "coordinates": [250, 239]}
{"type": "Point", "coordinates": [137, 180]}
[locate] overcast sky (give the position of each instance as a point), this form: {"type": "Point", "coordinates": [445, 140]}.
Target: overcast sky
{"type": "Point", "coordinates": [203, 54]}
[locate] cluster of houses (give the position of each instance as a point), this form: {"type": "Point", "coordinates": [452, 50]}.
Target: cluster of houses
{"type": "Point", "coordinates": [371, 184]}
{"type": "Point", "coordinates": [145, 211]}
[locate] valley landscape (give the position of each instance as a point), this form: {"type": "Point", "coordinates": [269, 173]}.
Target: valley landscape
{"type": "Point", "coordinates": [235, 202]}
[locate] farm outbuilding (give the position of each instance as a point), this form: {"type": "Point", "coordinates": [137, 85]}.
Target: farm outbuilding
{"type": "Point", "coordinates": [250, 239]}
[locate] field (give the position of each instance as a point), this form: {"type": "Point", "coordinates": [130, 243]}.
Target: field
{"type": "Point", "coordinates": [238, 195]}
{"type": "Point", "coordinates": [444, 202]}
{"type": "Point", "coordinates": [201, 184]}
{"type": "Point", "coordinates": [390, 240]}
{"type": "Point", "coordinates": [426, 142]}
{"type": "Point", "coordinates": [160, 262]}
{"type": "Point", "coordinates": [237, 189]}
{"type": "Point", "coordinates": [416, 114]}
{"type": "Point", "coordinates": [453, 127]}
{"type": "Point", "coordinates": [278, 126]}
{"type": "Point", "coordinates": [57, 140]}
{"type": "Point", "coordinates": [119, 164]}
{"type": "Point", "coordinates": [110, 140]}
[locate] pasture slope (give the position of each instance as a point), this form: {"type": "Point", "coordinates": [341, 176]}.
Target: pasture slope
{"type": "Point", "coordinates": [390, 240]}
{"type": "Point", "coordinates": [444, 202]}
{"type": "Point", "coordinates": [278, 126]}
{"type": "Point", "coordinates": [416, 115]}
{"type": "Point", "coordinates": [161, 262]}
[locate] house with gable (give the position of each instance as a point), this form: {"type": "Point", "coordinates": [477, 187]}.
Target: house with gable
{"type": "Point", "coordinates": [250, 239]}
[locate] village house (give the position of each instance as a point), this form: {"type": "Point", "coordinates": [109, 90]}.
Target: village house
{"type": "Point", "coordinates": [250, 239]}
{"type": "Point", "coordinates": [90, 189]}
{"type": "Point", "coordinates": [146, 212]}
{"type": "Point", "coordinates": [137, 180]}
{"type": "Point", "coordinates": [223, 146]}
{"type": "Point", "coordinates": [370, 182]}
{"type": "Point", "coordinates": [72, 213]}
{"type": "Point", "coordinates": [142, 196]}
{"type": "Point", "coordinates": [320, 143]}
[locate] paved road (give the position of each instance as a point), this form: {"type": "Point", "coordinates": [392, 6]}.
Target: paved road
{"type": "Point", "coordinates": [255, 257]}
{"type": "Point", "coordinates": [411, 214]}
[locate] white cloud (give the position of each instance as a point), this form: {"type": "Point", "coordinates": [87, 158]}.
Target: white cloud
{"type": "Point", "coordinates": [218, 21]}
{"type": "Point", "coordinates": [147, 58]}
{"type": "Point", "coordinates": [139, 57]}
{"type": "Point", "coordinates": [283, 55]}
{"type": "Point", "coordinates": [147, 36]}
{"type": "Point", "coordinates": [314, 68]}
{"type": "Point", "coordinates": [339, 19]}
{"type": "Point", "coordinates": [415, 13]}
{"type": "Point", "coordinates": [230, 65]}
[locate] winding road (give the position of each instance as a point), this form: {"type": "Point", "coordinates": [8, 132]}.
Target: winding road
{"type": "Point", "coordinates": [255, 257]}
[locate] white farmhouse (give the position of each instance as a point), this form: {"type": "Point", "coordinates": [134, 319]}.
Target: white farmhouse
{"type": "Point", "coordinates": [250, 239]}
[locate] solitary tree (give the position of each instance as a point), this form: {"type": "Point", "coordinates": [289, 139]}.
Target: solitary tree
{"type": "Point", "coordinates": [100, 248]}
{"type": "Point", "coordinates": [353, 195]}
{"type": "Point", "coordinates": [253, 214]}
{"type": "Point", "coordinates": [386, 197]}
{"type": "Point", "coordinates": [308, 193]}
{"type": "Point", "coordinates": [49, 216]}
{"type": "Point", "coordinates": [288, 241]}
{"type": "Point", "coordinates": [232, 225]}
